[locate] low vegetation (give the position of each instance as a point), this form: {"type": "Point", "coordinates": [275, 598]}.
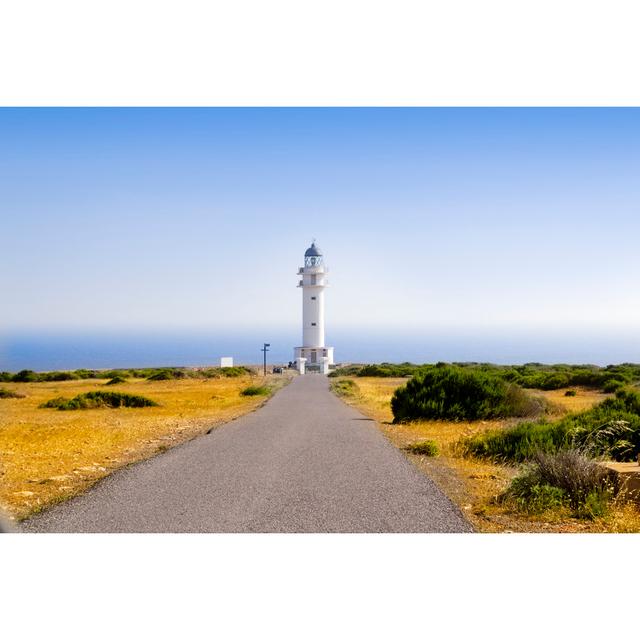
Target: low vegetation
{"type": "Point", "coordinates": [227, 372]}
{"type": "Point", "coordinates": [167, 374]}
{"type": "Point", "coordinates": [155, 373]}
{"type": "Point", "coordinates": [6, 393]}
{"type": "Point", "coordinates": [610, 429]}
{"type": "Point", "coordinates": [344, 387]}
{"type": "Point", "coordinates": [384, 370]}
{"type": "Point", "coordinates": [455, 393]}
{"type": "Point", "coordinates": [423, 448]}
{"type": "Point", "coordinates": [529, 376]}
{"type": "Point", "coordinates": [564, 479]}
{"type": "Point", "coordinates": [116, 380]}
{"type": "Point", "coordinates": [98, 400]}
{"type": "Point", "coordinates": [256, 390]}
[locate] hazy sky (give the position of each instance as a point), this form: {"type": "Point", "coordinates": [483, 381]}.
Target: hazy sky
{"type": "Point", "coordinates": [180, 218]}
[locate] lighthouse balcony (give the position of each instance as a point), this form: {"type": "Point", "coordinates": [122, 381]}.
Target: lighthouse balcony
{"type": "Point", "coordinates": [311, 285]}
{"type": "Point", "coordinates": [311, 270]}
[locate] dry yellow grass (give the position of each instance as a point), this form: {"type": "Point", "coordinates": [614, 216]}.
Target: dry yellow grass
{"type": "Point", "coordinates": [47, 455]}
{"type": "Point", "coordinates": [474, 484]}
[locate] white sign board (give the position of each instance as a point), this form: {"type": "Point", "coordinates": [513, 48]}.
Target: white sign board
{"type": "Point", "coordinates": [226, 362]}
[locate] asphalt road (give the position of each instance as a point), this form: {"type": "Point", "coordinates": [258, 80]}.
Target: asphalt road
{"type": "Point", "coordinates": [304, 462]}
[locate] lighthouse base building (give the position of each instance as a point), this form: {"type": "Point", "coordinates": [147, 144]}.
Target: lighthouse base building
{"type": "Point", "coordinates": [313, 355]}
{"type": "Point", "coordinates": [310, 358]}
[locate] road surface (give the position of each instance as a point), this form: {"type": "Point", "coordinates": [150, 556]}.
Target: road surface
{"type": "Point", "coordinates": [304, 462]}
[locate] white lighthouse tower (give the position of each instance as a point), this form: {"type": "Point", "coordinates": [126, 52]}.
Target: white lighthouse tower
{"type": "Point", "coordinates": [313, 355]}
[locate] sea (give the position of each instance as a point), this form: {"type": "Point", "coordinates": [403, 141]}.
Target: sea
{"type": "Point", "coordinates": [52, 350]}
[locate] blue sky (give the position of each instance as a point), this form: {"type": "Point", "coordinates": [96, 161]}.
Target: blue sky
{"type": "Point", "coordinates": [429, 218]}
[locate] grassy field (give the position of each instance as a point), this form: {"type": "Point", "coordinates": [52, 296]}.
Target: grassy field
{"type": "Point", "coordinates": [471, 483]}
{"type": "Point", "coordinates": [48, 455]}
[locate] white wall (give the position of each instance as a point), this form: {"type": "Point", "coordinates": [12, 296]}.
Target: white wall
{"type": "Point", "coordinates": [313, 310]}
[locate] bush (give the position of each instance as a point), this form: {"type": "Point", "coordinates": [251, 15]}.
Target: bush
{"type": "Point", "coordinates": [234, 372]}
{"type": "Point", "coordinates": [56, 376]}
{"type": "Point", "coordinates": [26, 375]}
{"type": "Point", "coordinates": [610, 429]}
{"type": "Point", "coordinates": [55, 403]}
{"type": "Point", "coordinates": [516, 444]}
{"type": "Point", "coordinates": [115, 373]}
{"type": "Point", "coordinates": [98, 400]}
{"type": "Point", "coordinates": [454, 393]}
{"type": "Point", "coordinates": [383, 370]}
{"type": "Point", "coordinates": [612, 386]}
{"type": "Point", "coordinates": [116, 380]}
{"type": "Point", "coordinates": [567, 477]}
{"type": "Point", "coordinates": [6, 393]}
{"type": "Point", "coordinates": [528, 494]}
{"type": "Point", "coordinates": [255, 390]}
{"type": "Point", "coordinates": [571, 392]}
{"type": "Point", "coordinates": [167, 374]}
{"type": "Point", "coordinates": [423, 448]}
{"type": "Point", "coordinates": [84, 374]}
{"type": "Point", "coordinates": [345, 387]}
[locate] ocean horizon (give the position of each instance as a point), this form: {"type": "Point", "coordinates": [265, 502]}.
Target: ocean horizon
{"type": "Point", "coordinates": [46, 350]}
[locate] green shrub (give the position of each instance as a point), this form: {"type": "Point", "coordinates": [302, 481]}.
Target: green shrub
{"type": "Point", "coordinates": [167, 374]}
{"type": "Point", "coordinates": [98, 400]}
{"type": "Point", "coordinates": [26, 375]}
{"type": "Point", "coordinates": [612, 386]}
{"type": "Point", "coordinates": [6, 393]}
{"type": "Point", "coordinates": [532, 375]}
{"type": "Point", "coordinates": [571, 392]}
{"type": "Point", "coordinates": [234, 372]}
{"type": "Point", "coordinates": [516, 444]}
{"type": "Point", "coordinates": [116, 380]}
{"type": "Point", "coordinates": [563, 478]}
{"type": "Point", "coordinates": [528, 494]}
{"type": "Point", "coordinates": [423, 448]}
{"type": "Point", "coordinates": [115, 373]}
{"type": "Point", "coordinates": [454, 393]}
{"type": "Point", "coordinates": [595, 504]}
{"type": "Point", "coordinates": [84, 374]}
{"type": "Point", "coordinates": [56, 376]}
{"type": "Point", "coordinates": [255, 390]}
{"type": "Point", "coordinates": [382, 370]}
{"type": "Point", "coordinates": [161, 375]}
{"type": "Point", "coordinates": [610, 429]}
{"type": "Point", "coordinates": [345, 387]}
{"type": "Point", "coordinates": [55, 403]}
{"type": "Point", "coordinates": [350, 370]}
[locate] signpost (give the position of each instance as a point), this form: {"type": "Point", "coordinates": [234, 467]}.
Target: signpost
{"type": "Point", "coordinates": [264, 350]}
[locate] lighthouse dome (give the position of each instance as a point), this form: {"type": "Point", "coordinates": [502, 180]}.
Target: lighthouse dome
{"type": "Point", "coordinates": [313, 251]}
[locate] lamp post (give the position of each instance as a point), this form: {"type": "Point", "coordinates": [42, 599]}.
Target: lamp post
{"type": "Point", "coordinates": [264, 350]}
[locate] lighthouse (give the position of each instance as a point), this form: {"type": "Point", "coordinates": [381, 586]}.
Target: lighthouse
{"type": "Point", "coordinates": [313, 355]}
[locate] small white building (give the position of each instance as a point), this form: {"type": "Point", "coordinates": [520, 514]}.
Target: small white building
{"type": "Point", "coordinates": [226, 361]}
{"type": "Point", "coordinates": [313, 355]}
